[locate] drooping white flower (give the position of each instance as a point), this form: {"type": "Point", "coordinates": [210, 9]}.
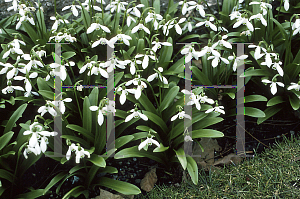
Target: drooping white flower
{"type": "Point", "coordinates": [199, 8]}
{"type": "Point", "coordinates": [236, 59]}
{"type": "Point", "coordinates": [27, 83]}
{"type": "Point", "coordinates": [276, 66]}
{"type": "Point", "coordinates": [129, 19]}
{"type": "Point", "coordinates": [10, 88]}
{"type": "Point", "coordinates": [177, 27]}
{"type": "Point", "coordinates": [145, 62]}
{"type": "Point", "coordinates": [188, 26]}
{"type": "Point", "coordinates": [244, 21]}
{"type": "Point", "coordinates": [48, 108]}
{"type": "Point", "coordinates": [116, 4]}
{"type": "Point", "coordinates": [109, 107]}
{"type": "Point", "coordinates": [73, 9]}
{"type": "Point", "coordinates": [135, 11]}
{"type": "Point", "coordinates": [148, 142]}
{"type": "Point", "coordinates": [273, 85]}
{"type": "Point", "coordinates": [12, 50]}
{"type": "Point", "coordinates": [286, 5]}
{"type": "Point", "coordinates": [14, 6]}
{"type": "Point", "coordinates": [62, 69]}
{"type": "Point", "coordinates": [157, 45]}
{"type": "Point", "coordinates": [153, 17]}
{"type": "Point", "coordinates": [97, 26]}
{"type": "Point", "coordinates": [209, 49]}
{"type": "Point", "coordinates": [140, 86]}
{"type": "Point", "coordinates": [189, 53]}
{"type": "Point", "coordinates": [224, 43]}
{"type": "Point", "coordinates": [140, 27]}
{"type": "Point", "coordinates": [259, 17]}
{"type": "Point", "coordinates": [294, 86]}
{"type": "Point", "coordinates": [208, 23]}
{"type": "Point", "coordinates": [119, 37]}
{"type": "Point", "coordinates": [194, 99]}
{"type": "Point", "coordinates": [216, 109]}
{"type": "Point", "coordinates": [187, 138]}
{"type": "Point", "coordinates": [258, 49]}
{"type": "Point", "coordinates": [57, 22]}
{"type": "Point", "coordinates": [124, 93]}
{"type": "Point", "coordinates": [296, 27]}
{"type": "Point", "coordinates": [203, 98]}
{"type": "Point", "coordinates": [185, 5]}
{"type": "Point", "coordinates": [166, 27]}
{"type": "Point", "coordinates": [157, 75]}
{"type": "Point", "coordinates": [181, 115]}
{"type": "Point", "coordinates": [102, 41]}
{"type": "Point", "coordinates": [268, 60]}
{"type": "Point", "coordinates": [136, 114]}
{"type": "Point", "coordinates": [79, 153]}
{"type": "Point", "coordinates": [216, 60]}
{"type": "Point", "coordinates": [24, 18]}
{"type": "Point", "coordinates": [263, 6]}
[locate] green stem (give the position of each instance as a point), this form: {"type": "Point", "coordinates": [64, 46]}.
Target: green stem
{"type": "Point", "coordinates": [279, 9]}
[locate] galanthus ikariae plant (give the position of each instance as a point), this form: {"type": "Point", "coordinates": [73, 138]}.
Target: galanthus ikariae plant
{"type": "Point", "coordinates": [123, 68]}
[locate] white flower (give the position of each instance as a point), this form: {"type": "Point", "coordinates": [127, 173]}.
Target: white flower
{"type": "Point", "coordinates": [296, 27]}
{"type": "Point", "coordinates": [79, 152]}
{"type": "Point", "coordinates": [273, 85]}
{"type": "Point", "coordinates": [216, 109]}
{"type": "Point", "coordinates": [145, 62]}
{"type": "Point", "coordinates": [57, 22]}
{"type": "Point", "coordinates": [236, 59]}
{"type": "Point", "coordinates": [153, 17]}
{"type": "Point", "coordinates": [124, 93]}
{"type": "Point", "coordinates": [113, 62]}
{"type": "Point", "coordinates": [14, 5]}
{"type": "Point", "coordinates": [48, 108]}
{"type": "Point", "coordinates": [79, 88]}
{"type": "Point", "coordinates": [209, 49]}
{"type": "Point", "coordinates": [157, 45]}
{"type": "Point", "coordinates": [73, 9]}
{"type": "Point", "coordinates": [62, 107]}
{"type": "Point", "coordinates": [189, 26]}
{"type": "Point", "coordinates": [12, 50]}
{"type": "Point", "coordinates": [294, 86]}
{"type": "Point", "coordinates": [119, 37]}
{"type": "Point", "coordinates": [140, 27]}
{"type": "Point", "coordinates": [203, 98]}
{"type": "Point", "coordinates": [157, 75]}
{"type": "Point", "coordinates": [181, 115]}
{"type": "Point", "coordinates": [16, 43]}
{"type": "Point", "coordinates": [140, 86]}
{"type": "Point", "coordinates": [167, 26]}
{"type": "Point", "coordinates": [263, 6]}
{"type": "Point", "coordinates": [28, 86]}
{"type": "Point", "coordinates": [32, 63]}
{"type": "Point", "coordinates": [72, 148]}
{"type": "Point", "coordinates": [185, 5]}
{"type": "Point", "coordinates": [177, 27]}
{"type": "Point", "coordinates": [286, 5]}
{"type": "Point", "coordinates": [235, 15]}
{"type": "Point", "coordinates": [257, 54]}
{"type": "Point", "coordinates": [148, 142]}
{"type": "Point", "coordinates": [198, 7]}
{"type": "Point", "coordinates": [222, 42]}
{"type": "Point", "coordinates": [129, 19]}
{"type": "Point", "coordinates": [187, 138]}
{"type": "Point", "coordinates": [276, 66]}
{"type": "Point", "coordinates": [11, 88]}
{"type": "Point", "coordinates": [101, 41]}
{"type": "Point", "coordinates": [268, 60]}
{"type": "Point", "coordinates": [10, 74]}
{"type": "Point", "coordinates": [190, 51]}
{"type": "Point", "coordinates": [135, 11]}
{"type": "Point", "coordinates": [244, 21]}
{"type": "Point", "coordinates": [216, 60]}
{"type": "Point", "coordinates": [116, 4]}
{"type": "Point", "coordinates": [24, 18]}
{"type": "Point", "coordinates": [136, 114]}
{"type": "Point", "coordinates": [208, 24]}
{"type": "Point", "coordinates": [259, 17]}
{"type": "Point", "coordinates": [104, 110]}
{"type": "Point", "coordinates": [97, 26]}
{"type": "Point", "coordinates": [41, 53]}
{"type": "Point", "coordinates": [193, 99]}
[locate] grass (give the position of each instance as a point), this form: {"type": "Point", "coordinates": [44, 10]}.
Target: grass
{"type": "Point", "coordinates": [273, 174]}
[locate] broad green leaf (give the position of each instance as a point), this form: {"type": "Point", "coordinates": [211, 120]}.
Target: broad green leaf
{"type": "Point", "coordinates": [156, 6]}
{"type": "Point", "coordinates": [97, 160]}
{"type": "Point", "coordinates": [201, 77]}
{"type": "Point", "coordinates": [87, 115]}
{"type": "Point", "coordinates": [255, 72]}
{"type": "Point", "coordinates": [169, 98]}
{"type": "Point", "coordinates": [75, 191]}
{"type": "Point", "coordinates": [275, 100]}
{"type": "Point", "coordinates": [192, 169]}
{"type": "Point", "coordinates": [254, 112]}
{"type": "Point", "coordinates": [119, 186]}
{"type": "Point", "coordinates": [108, 169]}
{"type": "Point", "coordinates": [181, 157]}
{"type": "Point", "coordinates": [134, 152]}
{"type": "Point", "coordinates": [140, 46]}
{"type": "Point", "coordinates": [269, 112]}
{"type": "Point", "coordinates": [32, 194]}
{"type": "Point", "coordinates": [162, 148]}
{"type": "Point", "coordinates": [42, 84]}
{"type": "Point", "coordinates": [209, 133]}
{"type": "Point", "coordinates": [191, 36]}
{"type": "Point", "coordinates": [294, 101]}
{"type": "Point", "coordinates": [76, 139]}
{"type": "Point", "coordinates": [68, 55]}
{"type": "Point", "coordinates": [54, 180]}
{"type": "Point", "coordinates": [166, 54]}
{"type": "Point", "coordinates": [30, 31]}
{"type": "Point", "coordinates": [47, 94]}
{"type": "Point", "coordinates": [118, 77]}
{"type": "Point", "coordinates": [14, 118]}
{"type": "Point", "coordinates": [254, 98]}
{"type": "Point", "coordinates": [4, 139]}
{"type": "Point", "coordinates": [6, 175]}
{"type": "Point", "coordinates": [85, 18]}
{"type": "Point", "coordinates": [81, 130]}
{"type": "Point", "coordinates": [76, 168]}
{"type": "Point", "coordinates": [207, 122]}
{"type": "Point", "coordinates": [121, 141]}
{"type": "Point", "coordinates": [157, 120]}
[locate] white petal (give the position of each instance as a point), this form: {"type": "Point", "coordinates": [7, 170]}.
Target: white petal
{"type": "Point", "coordinates": [174, 117]}
{"type": "Point", "coordinates": [43, 145]}
{"type": "Point", "coordinates": [143, 144]}
{"type": "Point", "coordinates": [129, 117]}
{"type": "Point", "coordinates": [123, 98]}
{"type": "Point", "coordinates": [273, 88]}
{"type": "Point", "coordinates": [100, 118]}
{"type": "Point", "coordinates": [93, 108]}
{"type": "Point", "coordinates": [151, 77]}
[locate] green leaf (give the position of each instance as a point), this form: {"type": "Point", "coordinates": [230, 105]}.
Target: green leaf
{"type": "Point", "coordinates": [75, 191]}
{"type": "Point", "coordinates": [207, 122]}
{"type": "Point", "coordinates": [294, 101]}
{"type": "Point", "coordinates": [201, 77]}
{"type": "Point", "coordinates": [282, 30]}
{"type": "Point", "coordinates": [47, 94]}
{"type": "Point", "coordinates": [255, 72]}
{"type": "Point", "coordinates": [191, 36]}
{"type": "Point", "coordinates": [140, 46]}
{"type": "Point", "coordinates": [42, 85]}
{"type": "Point", "coordinates": [157, 120]}
{"type": "Point", "coordinates": [166, 53]}
{"type": "Point", "coordinates": [85, 18]}
{"type": "Point", "coordinates": [254, 112]}
{"type": "Point", "coordinates": [209, 133]}
{"type": "Point", "coordinates": [14, 118]}
{"type": "Point", "coordinates": [68, 55]}
{"type": "Point", "coordinates": [54, 180]}
{"type": "Point", "coordinates": [275, 100]}
{"type": "Point", "coordinates": [41, 21]}
{"type": "Point", "coordinates": [97, 160]}
{"type": "Point", "coordinates": [32, 194]}
{"type": "Point", "coordinates": [192, 169]}
{"type": "Point", "coordinates": [81, 130]}
{"type": "Point", "coordinates": [76, 139]}
{"type": "Point", "coordinates": [255, 98]}
{"type": "Point", "coordinates": [121, 141]}
{"type": "Point", "coordinates": [269, 112]}
{"type": "Point", "coordinates": [4, 139]}
{"type": "Point", "coordinates": [169, 98]}
{"type": "Point", "coordinates": [6, 175]}
{"type": "Point", "coordinates": [31, 31]}
{"type": "Point", "coordinates": [162, 148]}
{"type": "Point", "coordinates": [156, 6]}
{"type": "Point", "coordinates": [119, 186]}
{"type": "Point", "coordinates": [87, 115]}
{"type": "Point", "coordinates": [181, 157]}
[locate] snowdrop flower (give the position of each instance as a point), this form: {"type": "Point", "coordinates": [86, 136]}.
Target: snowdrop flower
{"type": "Point", "coordinates": [97, 26]}
{"type": "Point", "coordinates": [208, 23]}
{"type": "Point", "coordinates": [87, 7]}
{"type": "Point", "coordinates": [48, 108]}
{"type": "Point", "coordinates": [24, 18]}
{"type": "Point", "coordinates": [119, 37]}
{"type": "Point", "coordinates": [235, 14]}
{"type": "Point", "coordinates": [157, 45]}
{"type": "Point", "coordinates": [273, 84]}
{"type": "Point", "coordinates": [199, 8]}
{"type": "Point", "coordinates": [62, 107]}
{"type": "Point", "coordinates": [10, 88]}
{"type": "Point", "coordinates": [62, 71]}
{"type": "Point", "coordinates": [257, 53]}
{"type": "Point", "coordinates": [124, 93]}
{"type": "Point", "coordinates": [132, 65]}
{"type": "Point", "coordinates": [113, 62]}
{"type": "Point", "coordinates": [187, 138]}
{"type": "Point", "coordinates": [247, 32]}
{"type": "Point", "coordinates": [294, 86]}
{"type": "Point", "coordinates": [73, 9]}
{"type": "Point", "coordinates": [101, 41]}
{"type": "Point", "coordinates": [166, 27]}
{"type": "Point", "coordinates": [245, 21]}
{"type": "Point", "coordinates": [185, 5]}
{"type": "Point", "coordinates": [276, 66]}
{"type": "Point", "coordinates": [97, 69]}
{"type": "Point", "coordinates": [236, 59]}
{"type": "Point", "coordinates": [209, 49]}
{"type": "Point", "coordinates": [12, 50]}
{"type": "Point", "coordinates": [32, 63]}
{"type": "Point", "coordinates": [135, 114]}
{"type": "Point", "coordinates": [181, 115]}
{"type": "Point", "coordinates": [268, 60]}
{"type": "Point", "coordinates": [135, 11]}
{"type": "Point", "coordinates": [189, 53]}
{"type": "Point", "coordinates": [222, 42]}
{"type": "Point", "coordinates": [296, 27]}
{"type": "Point", "coordinates": [146, 59]}
{"type": "Point", "coordinates": [10, 74]}
{"type": "Point", "coordinates": [89, 65]}
{"type": "Point", "coordinates": [60, 36]}
{"type": "Point", "coordinates": [140, 26]}
{"type": "Point", "coordinates": [41, 53]}
{"type": "Point", "coordinates": [27, 83]}
{"type": "Point", "coordinates": [216, 109]}
{"type": "Point", "coordinates": [148, 142]}
{"type": "Point", "coordinates": [72, 148]}
{"type": "Point", "coordinates": [259, 17]}
{"type": "Point", "coordinates": [188, 26]}
{"type": "Point", "coordinates": [100, 114]}
{"type": "Point", "coordinates": [153, 17]}
{"type": "Point", "coordinates": [177, 27]}
{"type": "Point", "coordinates": [16, 43]}
{"type": "Point", "coordinates": [157, 75]}
{"type": "Point", "coordinates": [216, 60]}
{"type": "Point", "coordinates": [286, 5]}
{"type": "Point", "coordinates": [14, 5]}
{"type": "Point", "coordinates": [79, 88]}
{"type": "Point", "coordinates": [140, 86]}
{"type": "Point", "coordinates": [129, 19]}
{"type": "Point", "coordinates": [263, 6]}
{"type": "Point", "coordinates": [79, 152]}
{"type": "Point", "coordinates": [116, 4]}
{"type": "Point", "coordinates": [193, 99]}
{"type": "Point", "coordinates": [57, 22]}
{"type": "Point", "coordinates": [203, 98]}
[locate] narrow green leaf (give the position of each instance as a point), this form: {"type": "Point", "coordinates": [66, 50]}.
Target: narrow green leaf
{"type": "Point", "coordinates": [119, 186]}
{"type": "Point", "coordinates": [294, 101]}
{"type": "Point", "coordinates": [157, 120]}
{"type": "Point", "coordinates": [275, 100]}
{"type": "Point", "coordinates": [162, 148]}
{"type": "Point", "coordinates": [54, 180]}
{"type": "Point", "coordinates": [97, 160]}
{"type": "Point", "coordinates": [68, 55]}
{"type": "Point", "coordinates": [169, 98]}
{"type": "Point", "coordinates": [254, 112]}
{"type": "Point", "coordinates": [30, 31]}
{"type": "Point", "coordinates": [42, 84]}
{"type": "Point", "coordinates": [192, 169]}
{"type": "Point", "coordinates": [32, 194]}
{"type": "Point", "coordinates": [87, 115]}
{"type": "Point", "coordinates": [4, 139]}
{"type": "Point", "coordinates": [121, 141]}
{"type": "Point", "coordinates": [47, 94]}
{"type": "Point", "coordinates": [255, 72]}
{"type": "Point", "coordinates": [209, 133]}
{"type": "Point", "coordinates": [255, 98]}
{"type": "Point", "coordinates": [181, 157]}
{"type": "Point", "coordinates": [75, 191]}
{"type": "Point", "coordinates": [156, 6]}
{"type": "Point", "coordinates": [191, 36]}
{"type": "Point", "coordinates": [269, 112]}
{"type": "Point", "coordinates": [6, 175]}
{"type": "Point", "coordinates": [14, 118]}
{"type": "Point", "coordinates": [81, 130]}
